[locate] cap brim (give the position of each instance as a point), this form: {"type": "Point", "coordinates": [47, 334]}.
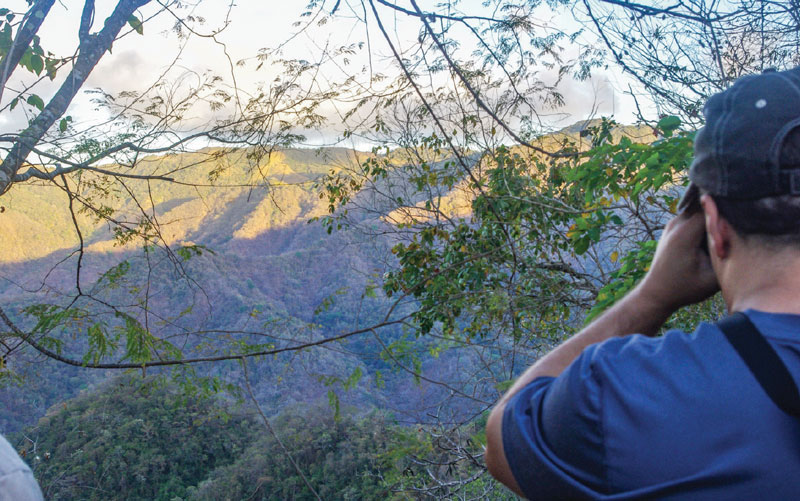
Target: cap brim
{"type": "Point", "coordinates": [690, 200]}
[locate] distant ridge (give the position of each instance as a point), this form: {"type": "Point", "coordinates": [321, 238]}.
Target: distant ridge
{"type": "Point", "coordinates": [581, 125]}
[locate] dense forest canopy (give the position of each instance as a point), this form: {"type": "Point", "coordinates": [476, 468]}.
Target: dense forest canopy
{"type": "Point", "coordinates": [158, 222]}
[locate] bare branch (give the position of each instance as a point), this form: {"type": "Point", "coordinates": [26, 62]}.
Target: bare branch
{"type": "Point", "coordinates": [455, 67]}
{"type": "Point", "coordinates": [87, 19]}
{"type": "Point", "coordinates": [28, 338]}
{"type": "Point", "coordinates": [271, 431]}
{"type": "Point", "coordinates": [60, 171]}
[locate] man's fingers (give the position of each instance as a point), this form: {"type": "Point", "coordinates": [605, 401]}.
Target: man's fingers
{"type": "Point", "coordinates": [688, 228]}
{"type": "Point", "coordinates": [697, 225]}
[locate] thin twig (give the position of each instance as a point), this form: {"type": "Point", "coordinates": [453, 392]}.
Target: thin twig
{"type": "Point", "coordinates": [272, 431]}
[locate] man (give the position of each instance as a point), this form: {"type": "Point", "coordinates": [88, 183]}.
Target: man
{"type": "Point", "coordinates": [16, 480]}
{"type": "Point", "coordinates": [616, 413]}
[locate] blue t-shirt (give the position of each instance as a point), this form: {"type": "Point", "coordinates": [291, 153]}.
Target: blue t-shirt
{"type": "Point", "coordinates": [674, 417]}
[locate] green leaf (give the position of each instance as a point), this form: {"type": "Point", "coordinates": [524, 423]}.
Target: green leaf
{"type": "Point", "coordinates": [187, 252]}
{"type": "Point", "coordinates": [5, 39]}
{"type": "Point", "coordinates": [37, 64]}
{"type": "Point", "coordinates": [353, 379]}
{"type": "Point", "coordinates": [503, 386]}
{"type": "Point", "coordinates": [136, 24]}
{"type": "Point", "coordinates": [99, 344]}
{"type": "Point", "coordinates": [25, 60]}
{"type": "Point", "coordinates": [36, 101]}
{"type": "Point", "coordinates": [668, 124]}
{"type": "Point", "coordinates": [62, 125]}
{"type": "Point", "coordinates": [581, 246]}
{"type": "Point", "coordinates": [138, 340]}
{"type": "Point", "coordinates": [52, 69]}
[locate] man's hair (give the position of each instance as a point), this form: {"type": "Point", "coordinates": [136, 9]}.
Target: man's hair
{"type": "Point", "coordinates": [771, 220]}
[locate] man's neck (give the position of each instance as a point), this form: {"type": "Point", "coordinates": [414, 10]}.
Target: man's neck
{"type": "Point", "coordinates": [763, 281]}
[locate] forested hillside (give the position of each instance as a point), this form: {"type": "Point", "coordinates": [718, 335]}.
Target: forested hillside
{"type": "Point", "coordinates": [134, 438]}
{"type": "Point", "coordinates": [272, 275]}
{"type": "Point", "coordinates": [265, 262]}
{"type": "Point", "coordinates": [280, 274]}
{"type": "Point", "coordinates": [265, 266]}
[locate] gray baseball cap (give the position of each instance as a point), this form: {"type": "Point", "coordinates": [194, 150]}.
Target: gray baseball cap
{"type": "Point", "coordinates": [737, 152]}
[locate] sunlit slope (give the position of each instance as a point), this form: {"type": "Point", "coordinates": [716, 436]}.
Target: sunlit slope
{"type": "Point", "coordinates": [34, 222]}
{"type": "Point", "coordinates": [218, 195]}
{"type": "Point", "coordinates": [457, 202]}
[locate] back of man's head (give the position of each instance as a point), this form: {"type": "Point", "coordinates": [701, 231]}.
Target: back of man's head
{"type": "Point", "coordinates": [747, 157]}
{"type": "Point", "coordinates": [772, 220]}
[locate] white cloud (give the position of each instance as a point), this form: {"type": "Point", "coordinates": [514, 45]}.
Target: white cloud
{"type": "Point", "coordinates": [136, 62]}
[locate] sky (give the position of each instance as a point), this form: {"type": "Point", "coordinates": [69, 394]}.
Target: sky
{"type": "Point", "coordinates": [138, 61]}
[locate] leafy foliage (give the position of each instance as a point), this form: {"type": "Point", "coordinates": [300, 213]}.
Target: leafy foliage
{"type": "Point", "coordinates": [139, 438]}
{"type": "Point", "coordinates": [134, 439]}
{"type": "Point", "coordinates": [544, 239]}
{"type": "Point", "coordinates": [342, 458]}
{"type": "Point", "coordinates": [545, 244]}
{"type": "Point", "coordinates": [498, 250]}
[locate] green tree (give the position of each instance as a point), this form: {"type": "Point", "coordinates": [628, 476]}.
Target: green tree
{"type": "Point", "coordinates": [508, 239]}
{"type": "Point", "coordinates": [134, 438]}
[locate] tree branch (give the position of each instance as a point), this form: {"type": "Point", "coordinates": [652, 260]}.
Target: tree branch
{"type": "Point", "coordinates": [87, 19]}
{"type": "Point", "coordinates": [271, 431]}
{"type": "Point", "coordinates": [435, 15]}
{"type": "Point", "coordinates": [476, 96]}
{"type": "Point", "coordinates": [60, 171]}
{"type": "Point", "coordinates": [33, 20]}
{"type": "Point", "coordinates": [91, 50]}
{"type": "Point", "coordinates": [647, 10]}
{"type": "Point", "coordinates": [28, 338]}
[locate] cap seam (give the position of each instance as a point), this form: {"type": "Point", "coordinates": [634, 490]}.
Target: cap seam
{"type": "Point", "coordinates": [777, 142]}
{"type": "Point", "coordinates": [780, 136]}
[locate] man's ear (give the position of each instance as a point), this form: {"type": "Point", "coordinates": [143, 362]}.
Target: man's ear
{"type": "Point", "coordinates": [718, 229]}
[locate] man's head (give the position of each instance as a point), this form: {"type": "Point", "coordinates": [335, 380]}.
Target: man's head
{"type": "Point", "coordinates": [747, 157]}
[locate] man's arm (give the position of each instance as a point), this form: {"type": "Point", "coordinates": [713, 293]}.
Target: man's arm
{"type": "Point", "coordinates": [680, 274]}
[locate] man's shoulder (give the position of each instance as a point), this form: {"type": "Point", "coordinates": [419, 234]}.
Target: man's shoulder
{"type": "Point", "coordinates": [620, 398]}
{"type": "Point", "coordinates": [636, 378]}
{"type": "Point", "coordinates": [9, 459]}
{"type": "Point", "coordinates": [615, 418]}
{"type": "Point", "coordinates": [683, 394]}
{"type": "Point", "coordinates": [16, 479]}
{"type": "Point", "coordinates": [680, 384]}
{"type": "Point", "coordinates": [679, 355]}
{"type": "Point", "coordinates": [697, 350]}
